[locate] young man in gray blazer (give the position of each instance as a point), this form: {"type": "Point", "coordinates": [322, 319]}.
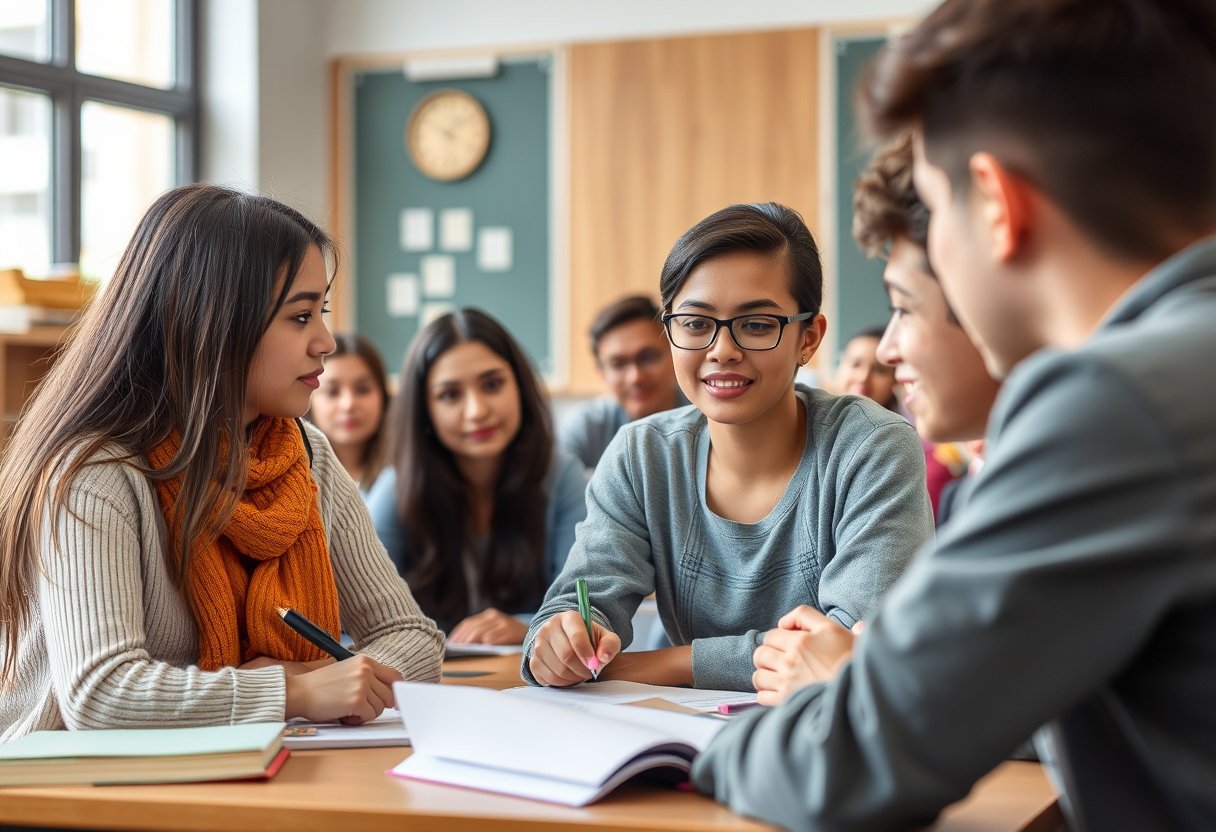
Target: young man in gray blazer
{"type": "Point", "coordinates": [1066, 150]}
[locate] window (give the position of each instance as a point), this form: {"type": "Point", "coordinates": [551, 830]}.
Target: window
{"type": "Point", "coordinates": [98, 115]}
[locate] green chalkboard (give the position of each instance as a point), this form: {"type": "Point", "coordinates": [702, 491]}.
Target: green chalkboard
{"type": "Point", "coordinates": [510, 189]}
{"type": "Point", "coordinates": [860, 299]}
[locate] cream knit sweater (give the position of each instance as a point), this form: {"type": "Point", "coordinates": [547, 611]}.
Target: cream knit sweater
{"type": "Point", "coordinates": [112, 645]}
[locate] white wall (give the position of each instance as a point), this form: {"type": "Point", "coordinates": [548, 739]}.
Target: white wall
{"type": "Point", "coordinates": [387, 26]}
{"type": "Point", "coordinates": [266, 99]}
{"type": "Point", "coordinates": [293, 81]}
{"type": "Point", "coordinates": [229, 72]}
{"type": "Point", "coordinates": [265, 62]}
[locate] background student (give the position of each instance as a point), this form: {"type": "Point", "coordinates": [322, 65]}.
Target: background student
{"type": "Point", "coordinates": [478, 510]}
{"type": "Point", "coordinates": [759, 498]}
{"type": "Point", "coordinates": [1076, 587]}
{"type": "Point", "coordinates": [860, 373]}
{"type": "Point", "coordinates": [945, 385]}
{"type": "Point", "coordinates": [350, 405]}
{"type": "Point", "coordinates": [634, 360]}
{"type": "Point", "coordinates": [159, 501]}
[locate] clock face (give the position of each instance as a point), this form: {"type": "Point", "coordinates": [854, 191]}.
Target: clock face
{"type": "Point", "coordinates": [448, 135]}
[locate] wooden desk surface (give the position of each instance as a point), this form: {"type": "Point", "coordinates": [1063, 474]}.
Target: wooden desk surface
{"type": "Point", "coordinates": [346, 789]}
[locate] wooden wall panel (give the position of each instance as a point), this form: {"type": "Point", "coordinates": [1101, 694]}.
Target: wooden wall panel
{"type": "Point", "coordinates": [665, 131]}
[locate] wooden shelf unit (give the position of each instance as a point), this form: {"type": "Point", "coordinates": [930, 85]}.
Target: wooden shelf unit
{"type": "Point", "coordinates": [25, 358]}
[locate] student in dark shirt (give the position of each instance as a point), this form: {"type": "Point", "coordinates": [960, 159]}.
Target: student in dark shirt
{"type": "Point", "coordinates": [633, 358]}
{"type": "Point", "coordinates": [477, 509]}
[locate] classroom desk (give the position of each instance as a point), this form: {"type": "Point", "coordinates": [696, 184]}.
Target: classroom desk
{"type": "Point", "coordinates": [346, 789]}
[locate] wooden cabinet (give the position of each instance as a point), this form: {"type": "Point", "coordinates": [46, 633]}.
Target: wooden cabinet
{"type": "Point", "coordinates": [25, 358]}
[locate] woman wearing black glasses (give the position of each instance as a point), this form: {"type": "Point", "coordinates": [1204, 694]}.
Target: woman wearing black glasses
{"type": "Point", "coordinates": [765, 497]}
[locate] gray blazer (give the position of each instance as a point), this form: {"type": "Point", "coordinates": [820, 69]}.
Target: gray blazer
{"type": "Point", "coordinates": [1076, 587]}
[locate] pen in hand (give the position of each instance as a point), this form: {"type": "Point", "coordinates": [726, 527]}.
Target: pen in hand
{"type": "Point", "coordinates": [584, 609]}
{"type": "Point", "coordinates": [313, 633]}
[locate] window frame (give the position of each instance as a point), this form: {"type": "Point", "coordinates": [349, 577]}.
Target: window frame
{"type": "Point", "coordinates": [68, 90]}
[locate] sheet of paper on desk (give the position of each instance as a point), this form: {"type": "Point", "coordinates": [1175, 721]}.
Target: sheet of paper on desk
{"type": "Point", "coordinates": [619, 692]}
{"type": "Point", "coordinates": [385, 730]}
{"type": "Point", "coordinates": [461, 651]}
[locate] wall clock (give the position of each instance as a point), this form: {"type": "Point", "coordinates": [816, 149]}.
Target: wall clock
{"type": "Point", "coordinates": [448, 135]}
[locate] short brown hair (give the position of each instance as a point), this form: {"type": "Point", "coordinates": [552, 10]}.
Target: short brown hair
{"type": "Point", "coordinates": [1106, 105]}
{"type": "Point", "coordinates": [624, 311]}
{"type": "Point", "coordinates": [885, 202]}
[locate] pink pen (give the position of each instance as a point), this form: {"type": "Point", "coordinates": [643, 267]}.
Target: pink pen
{"type": "Point", "coordinates": [736, 707]}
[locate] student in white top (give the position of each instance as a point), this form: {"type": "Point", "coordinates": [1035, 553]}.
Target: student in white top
{"type": "Point", "coordinates": [159, 497]}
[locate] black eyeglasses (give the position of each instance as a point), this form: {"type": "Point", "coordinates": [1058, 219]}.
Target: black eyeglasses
{"type": "Point", "coordinates": [751, 332]}
{"type": "Point", "coordinates": [644, 360]}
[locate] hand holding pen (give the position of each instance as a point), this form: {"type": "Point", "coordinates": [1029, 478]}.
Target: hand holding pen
{"type": "Point", "coordinates": [354, 690]}
{"type": "Point", "coordinates": [570, 649]}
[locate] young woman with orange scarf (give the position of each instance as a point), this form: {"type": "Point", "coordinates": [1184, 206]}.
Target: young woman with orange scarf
{"type": "Point", "coordinates": [159, 499]}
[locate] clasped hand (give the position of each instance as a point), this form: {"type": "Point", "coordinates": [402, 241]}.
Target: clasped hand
{"type": "Point", "coordinates": [805, 647]}
{"type": "Point", "coordinates": [490, 626]}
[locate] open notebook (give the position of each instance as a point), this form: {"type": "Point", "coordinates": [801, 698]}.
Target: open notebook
{"type": "Point", "coordinates": [562, 753]}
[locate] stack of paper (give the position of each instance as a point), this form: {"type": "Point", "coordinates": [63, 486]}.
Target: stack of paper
{"type": "Point", "coordinates": [460, 651]}
{"type": "Point", "coordinates": [385, 730]}
{"type": "Point", "coordinates": [617, 692]}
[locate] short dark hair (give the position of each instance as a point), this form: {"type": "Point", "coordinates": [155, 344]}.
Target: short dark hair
{"type": "Point", "coordinates": [1106, 105]}
{"type": "Point", "coordinates": [885, 202]}
{"type": "Point", "coordinates": [764, 228]}
{"type": "Point", "coordinates": [875, 332]}
{"type": "Point", "coordinates": [624, 311]}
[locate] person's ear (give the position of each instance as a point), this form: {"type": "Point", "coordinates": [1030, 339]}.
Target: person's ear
{"type": "Point", "coordinates": [1003, 202]}
{"type": "Point", "coordinates": [812, 337]}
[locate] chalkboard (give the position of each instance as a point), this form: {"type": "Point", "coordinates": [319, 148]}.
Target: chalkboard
{"type": "Point", "coordinates": [860, 299]}
{"type": "Point", "coordinates": [510, 190]}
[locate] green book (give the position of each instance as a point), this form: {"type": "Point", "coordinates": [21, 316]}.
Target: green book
{"type": "Point", "coordinates": [143, 755]}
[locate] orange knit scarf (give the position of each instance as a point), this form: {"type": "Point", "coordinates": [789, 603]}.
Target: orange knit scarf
{"type": "Point", "coordinates": [273, 553]}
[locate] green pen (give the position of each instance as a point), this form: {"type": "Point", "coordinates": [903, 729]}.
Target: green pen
{"type": "Point", "coordinates": [584, 609]}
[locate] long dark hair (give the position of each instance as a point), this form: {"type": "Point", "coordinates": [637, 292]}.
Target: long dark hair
{"type": "Point", "coordinates": [432, 494]}
{"type": "Point", "coordinates": [166, 346]}
{"type": "Point", "coordinates": [375, 451]}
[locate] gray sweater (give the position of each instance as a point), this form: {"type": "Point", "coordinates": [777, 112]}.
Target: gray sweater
{"type": "Point", "coordinates": [587, 432]}
{"type": "Point", "coordinates": [853, 515]}
{"type": "Point", "coordinates": [112, 645]}
{"type": "Point", "coordinates": [1076, 586]}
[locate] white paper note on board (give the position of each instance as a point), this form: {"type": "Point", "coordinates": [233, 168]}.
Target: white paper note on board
{"type": "Point", "coordinates": [438, 276]}
{"type": "Point", "coordinates": [402, 295]}
{"type": "Point", "coordinates": [494, 249]}
{"type": "Point", "coordinates": [417, 229]}
{"type": "Point", "coordinates": [431, 311]}
{"type": "Point", "coordinates": [456, 229]}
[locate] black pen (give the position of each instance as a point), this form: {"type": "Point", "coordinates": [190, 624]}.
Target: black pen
{"type": "Point", "coordinates": [313, 633]}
